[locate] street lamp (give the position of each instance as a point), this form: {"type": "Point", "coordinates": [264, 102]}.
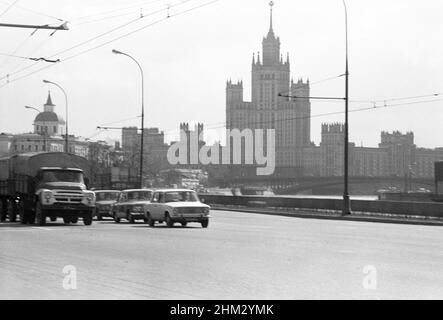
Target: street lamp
{"type": "Point", "coordinates": [346, 201]}
{"type": "Point", "coordinates": [44, 125]}
{"type": "Point", "coordinates": [143, 113]}
{"type": "Point", "coordinates": [66, 104]}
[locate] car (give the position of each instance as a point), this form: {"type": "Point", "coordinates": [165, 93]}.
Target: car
{"type": "Point", "coordinates": [104, 200]}
{"type": "Point", "coordinates": [131, 204]}
{"type": "Point", "coordinates": [176, 205]}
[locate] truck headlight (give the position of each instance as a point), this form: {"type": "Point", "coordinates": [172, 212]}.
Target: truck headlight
{"type": "Point", "coordinates": [47, 195]}
{"type": "Point", "coordinates": [206, 210]}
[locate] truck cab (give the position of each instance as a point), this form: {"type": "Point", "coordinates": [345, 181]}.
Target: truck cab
{"type": "Point", "coordinates": [62, 192]}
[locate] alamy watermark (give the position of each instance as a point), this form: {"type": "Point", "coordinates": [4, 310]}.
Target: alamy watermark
{"type": "Point", "coordinates": [70, 278]}
{"type": "Point", "coordinates": [370, 280]}
{"type": "Point", "coordinates": [247, 144]}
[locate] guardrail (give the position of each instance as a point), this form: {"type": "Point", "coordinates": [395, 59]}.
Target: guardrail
{"type": "Point", "coordinates": [423, 209]}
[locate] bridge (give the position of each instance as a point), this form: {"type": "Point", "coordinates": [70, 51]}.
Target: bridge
{"type": "Point", "coordinates": [292, 185]}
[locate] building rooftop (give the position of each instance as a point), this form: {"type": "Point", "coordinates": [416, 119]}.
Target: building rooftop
{"type": "Point", "coordinates": [48, 116]}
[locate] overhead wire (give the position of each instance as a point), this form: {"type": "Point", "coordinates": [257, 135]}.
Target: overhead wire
{"type": "Point", "coordinates": [34, 11]}
{"type": "Point", "coordinates": [85, 42]}
{"type": "Point", "coordinates": [110, 41]}
{"type": "Point", "coordinates": [10, 5]}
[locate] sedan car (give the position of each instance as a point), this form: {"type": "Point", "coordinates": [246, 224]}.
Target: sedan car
{"type": "Point", "coordinates": [176, 205]}
{"type": "Point", "coordinates": [131, 205]}
{"type": "Point", "coordinates": [104, 200]}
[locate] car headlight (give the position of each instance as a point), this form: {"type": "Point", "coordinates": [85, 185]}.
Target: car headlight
{"type": "Point", "coordinates": [206, 210]}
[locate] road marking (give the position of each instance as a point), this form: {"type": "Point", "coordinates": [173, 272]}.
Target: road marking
{"type": "Point", "coordinates": [41, 228]}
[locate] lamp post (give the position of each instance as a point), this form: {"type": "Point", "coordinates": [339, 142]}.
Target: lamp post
{"type": "Point", "coordinates": [44, 125]}
{"type": "Point", "coordinates": [143, 113]}
{"type": "Point", "coordinates": [346, 201]}
{"type": "Point", "coordinates": [66, 105]}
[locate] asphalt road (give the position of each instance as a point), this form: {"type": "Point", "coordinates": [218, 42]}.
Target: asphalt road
{"type": "Point", "coordinates": [239, 256]}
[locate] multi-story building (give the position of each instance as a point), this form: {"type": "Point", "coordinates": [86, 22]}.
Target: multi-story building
{"type": "Point", "coordinates": [154, 149]}
{"type": "Point", "coordinates": [48, 135]}
{"type": "Point", "coordinates": [400, 149]}
{"type": "Point", "coordinates": [268, 109]}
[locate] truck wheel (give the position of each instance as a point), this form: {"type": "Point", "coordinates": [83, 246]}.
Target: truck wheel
{"type": "Point", "coordinates": [87, 220]}
{"type": "Point", "coordinates": [169, 222]}
{"type": "Point", "coordinates": [66, 220]}
{"type": "Point", "coordinates": [184, 224]}
{"type": "Point", "coordinates": [116, 219]}
{"type": "Point", "coordinates": [205, 223]}
{"type": "Point", "coordinates": [22, 213]}
{"type": "Point", "coordinates": [12, 211]}
{"type": "Point", "coordinates": [99, 217]}
{"type": "Point", "coordinates": [74, 219]}
{"type": "Point", "coordinates": [3, 211]}
{"type": "Point", "coordinates": [130, 218]}
{"type": "Point", "coordinates": [40, 217]}
{"type": "Point", "coordinates": [53, 219]}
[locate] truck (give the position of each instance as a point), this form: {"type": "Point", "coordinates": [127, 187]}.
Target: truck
{"type": "Point", "coordinates": [40, 185]}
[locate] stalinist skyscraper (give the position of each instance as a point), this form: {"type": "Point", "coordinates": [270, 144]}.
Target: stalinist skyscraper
{"type": "Point", "coordinates": [267, 110]}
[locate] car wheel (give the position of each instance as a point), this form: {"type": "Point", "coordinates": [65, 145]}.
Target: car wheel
{"type": "Point", "coordinates": [169, 222]}
{"type": "Point", "coordinates": [130, 218]}
{"type": "Point", "coordinates": [53, 219]}
{"type": "Point", "coordinates": [74, 219]}
{"type": "Point", "coordinates": [40, 217]}
{"type": "Point", "coordinates": [66, 220]}
{"type": "Point", "coordinates": [205, 223]}
{"type": "Point", "coordinates": [184, 224]}
{"type": "Point", "coordinates": [150, 221]}
{"type": "Point", "coordinates": [99, 217]}
{"type": "Point", "coordinates": [116, 219]}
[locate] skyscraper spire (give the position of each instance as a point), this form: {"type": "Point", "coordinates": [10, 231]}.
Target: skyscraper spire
{"type": "Point", "coordinates": [271, 31]}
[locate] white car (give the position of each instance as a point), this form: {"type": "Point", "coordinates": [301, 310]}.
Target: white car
{"type": "Point", "coordinates": [176, 205]}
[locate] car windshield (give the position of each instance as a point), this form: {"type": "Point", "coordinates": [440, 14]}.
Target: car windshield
{"type": "Point", "coordinates": [62, 176]}
{"type": "Point", "coordinates": [103, 196]}
{"type": "Point", "coordinates": [181, 196]}
{"type": "Point", "coordinates": [139, 195]}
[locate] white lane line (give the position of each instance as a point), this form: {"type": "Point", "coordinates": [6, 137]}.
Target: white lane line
{"type": "Point", "coordinates": [41, 228]}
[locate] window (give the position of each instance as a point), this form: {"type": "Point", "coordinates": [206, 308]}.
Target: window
{"type": "Point", "coordinates": [55, 129]}
{"type": "Point", "coordinates": [36, 147]}
{"type": "Point", "coordinates": [155, 197]}
{"type": "Point", "coordinates": [181, 196]}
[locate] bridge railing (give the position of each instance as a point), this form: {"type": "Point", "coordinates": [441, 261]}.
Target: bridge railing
{"type": "Point", "coordinates": [422, 209]}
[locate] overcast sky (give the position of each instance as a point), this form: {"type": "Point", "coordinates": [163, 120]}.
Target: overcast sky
{"type": "Point", "coordinates": [395, 51]}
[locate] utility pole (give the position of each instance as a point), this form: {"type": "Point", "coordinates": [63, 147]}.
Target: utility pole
{"type": "Point", "coordinates": [142, 113]}
{"type": "Point", "coordinates": [346, 201]}
{"type": "Point", "coordinates": [63, 26]}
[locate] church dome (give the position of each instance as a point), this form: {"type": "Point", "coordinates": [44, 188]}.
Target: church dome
{"type": "Point", "coordinates": [47, 116]}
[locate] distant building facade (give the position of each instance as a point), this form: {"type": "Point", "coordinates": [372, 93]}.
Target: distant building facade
{"type": "Point", "coordinates": [48, 135]}
{"type": "Point", "coordinates": [290, 117]}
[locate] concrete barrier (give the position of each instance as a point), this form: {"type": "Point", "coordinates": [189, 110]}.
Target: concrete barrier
{"type": "Point", "coordinates": [422, 209]}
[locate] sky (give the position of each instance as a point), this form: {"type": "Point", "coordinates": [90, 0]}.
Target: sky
{"type": "Point", "coordinates": [395, 52]}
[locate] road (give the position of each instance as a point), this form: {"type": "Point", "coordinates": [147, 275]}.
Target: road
{"type": "Point", "coordinates": [239, 256]}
